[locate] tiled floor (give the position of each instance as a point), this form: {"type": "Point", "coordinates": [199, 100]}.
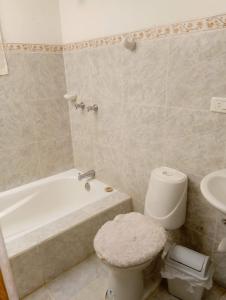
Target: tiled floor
{"type": "Point", "coordinates": [87, 281]}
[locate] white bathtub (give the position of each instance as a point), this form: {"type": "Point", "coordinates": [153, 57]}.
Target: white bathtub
{"type": "Point", "coordinates": [37, 204]}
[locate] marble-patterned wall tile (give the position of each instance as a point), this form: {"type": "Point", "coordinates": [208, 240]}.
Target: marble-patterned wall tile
{"type": "Point", "coordinates": [106, 74]}
{"type": "Point", "coordinates": [201, 217]}
{"type": "Point", "coordinates": [33, 114]}
{"type": "Point", "coordinates": [144, 125]}
{"type": "Point", "coordinates": [53, 114]}
{"type": "Point", "coordinates": [22, 165]}
{"type": "Point", "coordinates": [138, 162]}
{"type": "Point", "coordinates": [78, 72]}
{"type": "Point", "coordinates": [220, 227]}
{"type": "Point", "coordinates": [219, 260]}
{"type": "Point", "coordinates": [197, 68]}
{"type": "Point", "coordinates": [106, 158]}
{"type": "Point", "coordinates": [33, 75]}
{"type": "Point", "coordinates": [182, 122]}
{"type": "Point", "coordinates": [17, 127]}
{"type": "Point", "coordinates": [144, 73]}
{"type": "Point", "coordinates": [195, 154]}
{"type": "Point", "coordinates": [55, 155]}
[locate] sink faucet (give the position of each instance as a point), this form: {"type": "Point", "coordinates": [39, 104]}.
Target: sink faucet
{"type": "Point", "coordinates": [89, 174]}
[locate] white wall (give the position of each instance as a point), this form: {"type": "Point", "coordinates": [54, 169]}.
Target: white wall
{"type": "Point", "coordinates": [30, 21]}
{"type": "Point", "coordinates": [86, 19]}
{"type": "Point", "coordinates": [38, 21]}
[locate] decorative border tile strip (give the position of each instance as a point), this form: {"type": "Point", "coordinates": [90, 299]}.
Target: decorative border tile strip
{"type": "Point", "coordinates": [202, 24]}
{"type": "Point", "coordinates": [46, 48]}
{"type": "Point", "coordinates": [197, 25]}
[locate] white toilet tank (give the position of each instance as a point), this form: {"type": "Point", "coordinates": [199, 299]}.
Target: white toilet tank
{"type": "Point", "coordinates": [166, 197]}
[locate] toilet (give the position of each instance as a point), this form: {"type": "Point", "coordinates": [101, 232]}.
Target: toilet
{"type": "Point", "coordinates": [132, 241]}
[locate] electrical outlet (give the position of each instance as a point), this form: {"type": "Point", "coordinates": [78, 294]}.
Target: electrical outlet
{"type": "Point", "coordinates": [218, 104]}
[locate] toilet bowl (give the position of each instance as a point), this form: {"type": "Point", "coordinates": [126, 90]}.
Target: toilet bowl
{"type": "Point", "coordinates": [130, 242]}
{"type": "Point", "coordinates": [127, 245]}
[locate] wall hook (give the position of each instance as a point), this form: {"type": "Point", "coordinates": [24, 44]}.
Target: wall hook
{"type": "Point", "coordinates": [129, 43]}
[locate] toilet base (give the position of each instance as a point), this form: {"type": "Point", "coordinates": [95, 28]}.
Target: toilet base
{"type": "Point", "coordinates": [128, 284]}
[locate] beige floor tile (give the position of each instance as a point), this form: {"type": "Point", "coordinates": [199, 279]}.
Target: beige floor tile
{"type": "Point", "coordinates": [40, 294]}
{"type": "Point", "coordinates": [88, 281]}
{"type": "Point", "coordinates": [94, 291]}
{"type": "Point", "coordinates": [214, 294]}
{"type": "Point", "coordinates": [69, 284]}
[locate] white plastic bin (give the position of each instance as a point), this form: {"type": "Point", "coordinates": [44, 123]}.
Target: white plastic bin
{"type": "Point", "coordinates": [188, 273]}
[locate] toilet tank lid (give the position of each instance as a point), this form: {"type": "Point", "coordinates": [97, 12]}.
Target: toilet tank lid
{"type": "Point", "coordinates": [169, 175]}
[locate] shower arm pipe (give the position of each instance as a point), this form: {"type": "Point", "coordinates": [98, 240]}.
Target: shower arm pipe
{"type": "Point", "coordinates": [8, 286]}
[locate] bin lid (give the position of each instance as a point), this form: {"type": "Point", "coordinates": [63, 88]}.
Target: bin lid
{"type": "Point", "coordinates": [188, 261]}
{"type": "Point", "coordinates": [166, 174]}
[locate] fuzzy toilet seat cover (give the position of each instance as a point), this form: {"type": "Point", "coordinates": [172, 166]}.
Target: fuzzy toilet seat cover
{"type": "Point", "coordinates": [129, 240]}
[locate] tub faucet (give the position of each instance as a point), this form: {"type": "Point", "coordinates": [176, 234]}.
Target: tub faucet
{"type": "Point", "coordinates": [89, 174]}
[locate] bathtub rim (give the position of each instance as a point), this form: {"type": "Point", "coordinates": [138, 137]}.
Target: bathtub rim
{"type": "Point", "coordinates": [49, 231]}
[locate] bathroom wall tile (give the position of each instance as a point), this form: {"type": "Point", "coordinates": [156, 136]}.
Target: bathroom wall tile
{"type": "Point", "coordinates": [196, 69]}
{"type": "Point", "coordinates": [144, 125]}
{"type": "Point", "coordinates": [33, 75]}
{"type": "Point", "coordinates": [49, 76]}
{"type": "Point", "coordinates": [106, 73]}
{"type": "Point", "coordinates": [13, 131]}
{"type": "Point", "coordinates": [83, 153]}
{"type": "Point", "coordinates": [32, 110]}
{"type": "Point", "coordinates": [55, 156]}
{"type": "Point", "coordinates": [201, 217]}
{"type": "Point", "coordinates": [82, 124]}
{"type": "Point", "coordinates": [22, 165]}
{"type": "Point", "coordinates": [195, 154]}
{"type": "Point", "coordinates": [27, 270]}
{"type": "Point", "coordinates": [108, 124]}
{"type": "Point", "coordinates": [108, 165]}
{"type": "Point", "coordinates": [220, 268]}
{"type": "Point", "coordinates": [3, 170]}
{"type": "Point", "coordinates": [144, 73]}
{"type": "Point", "coordinates": [78, 72]}
{"type": "Point", "coordinates": [51, 114]}
{"type": "Point", "coordinates": [220, 227]}
{"type": "Point", "coordinates": [138, 162]}
{"type": "Point", "coordinates": [182, 122]}
{"type": "Point", "coordinates": [178, 236]}
{"type": "Point", "coordinates": [199, 242]}
{"type": "Point", "coordinates": [20, 81]}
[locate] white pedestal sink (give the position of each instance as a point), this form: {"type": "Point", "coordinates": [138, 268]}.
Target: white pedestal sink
{"type": "Point", "coordinates": [213, 188]}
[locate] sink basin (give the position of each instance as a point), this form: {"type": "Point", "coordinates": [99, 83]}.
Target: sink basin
{"type": "Point", "coordinates": [213, 188]}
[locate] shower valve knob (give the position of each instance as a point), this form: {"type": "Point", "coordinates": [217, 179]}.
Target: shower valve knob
{"type": "Point", "coordinates": [80, 105]}
{"type": "Point", "coordinates": [93, 107]}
